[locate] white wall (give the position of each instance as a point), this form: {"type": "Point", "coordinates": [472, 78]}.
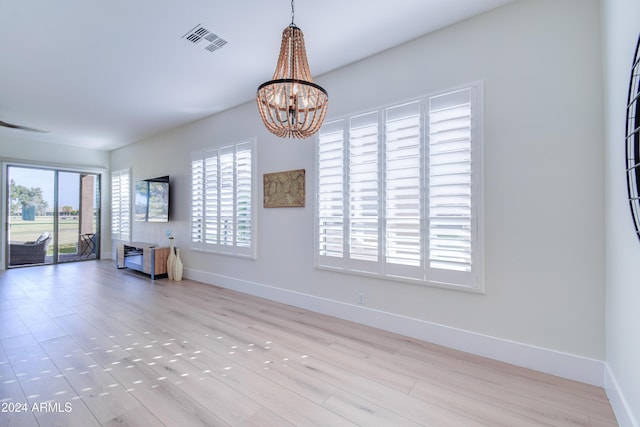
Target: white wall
{"type": "Point", "coordinates": [540, 62]}
{"type": "Point", "coordinates": [620, 30]}
{"type": "Point", "coordinates": [20, 148]}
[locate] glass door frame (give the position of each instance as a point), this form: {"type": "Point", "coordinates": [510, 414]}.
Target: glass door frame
{"type": "Point", "coordinates": [56, 169]}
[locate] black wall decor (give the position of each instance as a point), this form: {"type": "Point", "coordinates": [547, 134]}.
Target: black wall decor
{"type": "Point", "coordinates": [633, 139]}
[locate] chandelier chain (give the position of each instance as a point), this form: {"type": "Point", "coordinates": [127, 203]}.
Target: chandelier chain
{"type": "Point", "coordinates": [292, 13]}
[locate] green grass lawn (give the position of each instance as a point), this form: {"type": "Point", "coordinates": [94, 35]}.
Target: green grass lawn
{"type": "Point", "coordinates": [25, 231]}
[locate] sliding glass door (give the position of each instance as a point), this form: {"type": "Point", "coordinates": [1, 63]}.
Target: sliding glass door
{"type": "Point", "coordinates": [30, 217]}
{"type": "Point", "coordinates": [53, 216]}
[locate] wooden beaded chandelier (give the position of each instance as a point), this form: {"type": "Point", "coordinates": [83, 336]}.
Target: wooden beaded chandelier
{"type": "Point", "coordinates": [290, 104]}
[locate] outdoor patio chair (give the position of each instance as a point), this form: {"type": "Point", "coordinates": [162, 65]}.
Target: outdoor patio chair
{"type": "Point", "coordinates": [29, 252]}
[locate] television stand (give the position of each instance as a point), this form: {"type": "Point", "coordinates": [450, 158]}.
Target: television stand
{"type": "Point", "coordinates": [144, 257]}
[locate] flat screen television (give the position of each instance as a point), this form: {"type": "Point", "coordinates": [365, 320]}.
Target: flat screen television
{"type": "Point", "coordinates": [152, 200]}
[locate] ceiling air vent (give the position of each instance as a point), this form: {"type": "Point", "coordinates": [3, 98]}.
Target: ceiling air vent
{"type": "Point", "coordinates": [200, 36]}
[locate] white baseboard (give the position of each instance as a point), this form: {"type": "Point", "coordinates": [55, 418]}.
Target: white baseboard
{"type": "Point", "coordinates": [618, 402]}
{"type": "Point", "coordinates": [564, 365]}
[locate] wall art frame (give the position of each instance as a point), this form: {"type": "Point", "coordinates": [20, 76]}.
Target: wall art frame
{"type": "Point", "coordinates": [284, 189]}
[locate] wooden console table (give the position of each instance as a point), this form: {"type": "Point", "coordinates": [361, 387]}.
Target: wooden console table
{"type": "Point", "coordinates": [144, 257]}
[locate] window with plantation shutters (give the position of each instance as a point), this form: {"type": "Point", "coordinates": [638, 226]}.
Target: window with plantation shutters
{"type": "Point", "coordinates": [223, 199]}
{"type": "Point", "coordinates": [399, 194]}
{"type": "Point", "coordinates": [449, 166]}
{"type": "Point", "coordinates": [226, 196]}
{"type": "Point", "coordinates": [363, 185]}
{"type": "Point", "coordinates": [210, 201]}
{"type": "Point", "coordinates": [197, 198]}
{"type": "Point", "coordinates": [121, 205]}
{"type": "Point", "coordinates": [330, 192]}
{"type": "Point", "coordinates": [403, 190]}
{"type": "Point", "coordinates": [244, 199]}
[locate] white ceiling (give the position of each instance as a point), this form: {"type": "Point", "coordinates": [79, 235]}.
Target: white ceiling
{"type": "Point", "coordinates": [102, 74]}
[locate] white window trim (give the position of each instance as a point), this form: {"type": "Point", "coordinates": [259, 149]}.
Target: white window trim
{"type": "Point", "coordinates": [198, 244]}
{"type": "Point", "coordinates": [122, 209]}
{"type": "Point", "coordinates": [474, 282]}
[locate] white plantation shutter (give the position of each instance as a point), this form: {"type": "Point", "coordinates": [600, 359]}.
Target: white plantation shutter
{"type": "Point", "coordinates": [210, 174]}
{"type": "Point", "coordinates": [401, 197]}
{"type": "Point", "coordinates": [364, 183]}
{"type": "Point", "coordinates": [226, 197]}
{"type": "Point", "coordinates": [244, 195]}
{"type": "Point", "coordinates": [197, 197]}
{"type": "Point", "coordinates": [330, 193]}
{"type": "Point", "coordinates": [403, 190]}
{"type": "Point", "coordinates": [450, 185]}
{"type": "Point", "coordinates": [121, 205]}
{"type": "Point", "coordinates": [222, 217]}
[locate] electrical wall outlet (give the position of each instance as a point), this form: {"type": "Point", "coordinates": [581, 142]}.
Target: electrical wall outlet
{"type": "Point", "coordinates": [361, 298]}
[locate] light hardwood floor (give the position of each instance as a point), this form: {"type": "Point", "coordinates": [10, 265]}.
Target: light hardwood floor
{"type": "Point", "coordinates": [84, 344]}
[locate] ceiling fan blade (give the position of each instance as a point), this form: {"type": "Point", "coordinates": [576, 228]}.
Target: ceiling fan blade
{"type": "Point", "coordinates": [12, 126]}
